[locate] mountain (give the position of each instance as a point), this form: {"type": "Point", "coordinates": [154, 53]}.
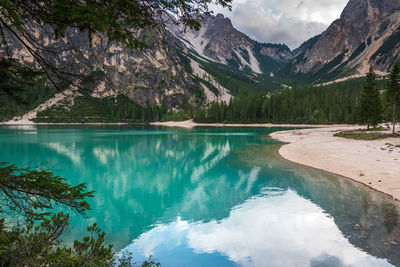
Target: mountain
{"type": "Point", "coordinates": [219, 41]}
{"type": "Point", "coordinates": [367, 33]}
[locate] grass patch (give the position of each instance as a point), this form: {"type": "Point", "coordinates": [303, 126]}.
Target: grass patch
{"type": "Point", "coordinates": [359, 135]}
{"type": "Point", "coordinates": [378, 129]}
{"type": "Point", "coordinates": [363, 135]}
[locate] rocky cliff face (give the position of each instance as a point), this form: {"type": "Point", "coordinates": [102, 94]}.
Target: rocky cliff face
{"type": "Point", "coordinates": [219, 41]}
{"type": "Point", "coordinates": [367, 33]}
{"type": "Point", "coordinates": [155, 74]}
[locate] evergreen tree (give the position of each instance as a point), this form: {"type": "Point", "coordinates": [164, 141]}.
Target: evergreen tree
{"type": "Point", "coordinates": [393, 92]}
{"type": "Point", "coordinates": [371, 106]}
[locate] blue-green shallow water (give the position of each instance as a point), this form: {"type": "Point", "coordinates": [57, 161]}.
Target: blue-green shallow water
{"type": "Point", "coordinates": [211, 197]}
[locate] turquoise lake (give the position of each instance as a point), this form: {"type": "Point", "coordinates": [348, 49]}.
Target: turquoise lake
{"type": "Point", "coordinates": [211, 197]}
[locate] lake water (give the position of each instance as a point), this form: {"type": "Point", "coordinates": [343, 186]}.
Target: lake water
{"type": "Point", "coordinates": [211, 197]}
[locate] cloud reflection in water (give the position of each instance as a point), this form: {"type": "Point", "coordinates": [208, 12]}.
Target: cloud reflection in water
{"type": "Point", "coordinates": [277, 228]}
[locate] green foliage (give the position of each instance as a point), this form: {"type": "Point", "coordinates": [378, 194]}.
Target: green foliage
{"type": "Point", "coordinates": [370, 112]}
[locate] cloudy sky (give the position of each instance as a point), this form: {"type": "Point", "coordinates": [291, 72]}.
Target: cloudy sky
{"type": "Point", "coordinates": [283, 21]}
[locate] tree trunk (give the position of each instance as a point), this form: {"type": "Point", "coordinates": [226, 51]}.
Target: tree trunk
{"type": "Point", "coordinates": [367, 126]}
{"type": "Point", "coordinates": [394, 118]}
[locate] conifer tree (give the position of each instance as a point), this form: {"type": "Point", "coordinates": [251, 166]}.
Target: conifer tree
{"type": "Point", "coordinates": [393, 93]}
{"type": "Point", "coordinates": [370, 112]}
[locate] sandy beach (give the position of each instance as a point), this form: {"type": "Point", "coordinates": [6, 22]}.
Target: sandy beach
{"type": "Point", "coordinates": [374, 163]}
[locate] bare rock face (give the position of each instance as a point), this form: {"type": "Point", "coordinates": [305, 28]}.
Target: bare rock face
{"type": "Point", "coordinates": [279, 52]}
{"type": "Point", "coordinates": [223, 38]}
{"type": "Point", "coordinates": [155, 74]}
{"type": "Point", "coordinates": [362, 29]}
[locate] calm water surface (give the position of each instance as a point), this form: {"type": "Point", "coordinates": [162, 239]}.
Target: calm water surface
{"type": "Point", "coordinates": [211, 197]}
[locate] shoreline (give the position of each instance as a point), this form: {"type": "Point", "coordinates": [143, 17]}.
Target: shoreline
{"type": "Point", "coordinates": [191, 124]}
{"type": "Point", "coordinates": [370, 163]}
{"type": "Point", "coordinates": [179, 124]}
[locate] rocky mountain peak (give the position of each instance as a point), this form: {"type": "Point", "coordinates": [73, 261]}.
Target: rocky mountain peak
{"type": "Point", "coordinates": [352, 40]}
{"type": "Point", "coordinates": [219, 41]}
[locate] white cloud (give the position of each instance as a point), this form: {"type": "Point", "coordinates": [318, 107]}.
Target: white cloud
{"type": "Point", "coordinates": [283, 21]}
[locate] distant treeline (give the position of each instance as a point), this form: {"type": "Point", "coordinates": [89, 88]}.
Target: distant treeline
{"type": "Point", "coordinates": [335, 103]}
{"type": "Point", "coordinates": [108, 109]}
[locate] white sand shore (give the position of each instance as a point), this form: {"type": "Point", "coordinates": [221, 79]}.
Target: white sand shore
{"type": "Point", "coordinates": [191, 124]}
{"type": "Point", "coordinates": [374, 163]}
